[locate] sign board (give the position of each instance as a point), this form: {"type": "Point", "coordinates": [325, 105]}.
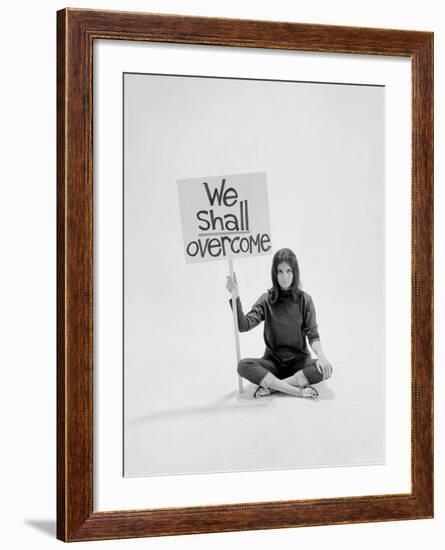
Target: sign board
{"type": "Point", "coordinates": [224, 217]}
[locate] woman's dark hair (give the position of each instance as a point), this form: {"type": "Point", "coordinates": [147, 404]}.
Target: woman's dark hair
{"type": "Point", "coordinates": [284, 255]}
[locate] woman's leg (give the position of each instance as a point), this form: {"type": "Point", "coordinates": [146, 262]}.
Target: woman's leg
{"type": "Point", "coordinates": [298, 379]}
{"type": "Point", "coordinates": [306, 373]}
{"type": "Point", "coordinates": [271, 382]}
{"type": "Point", "coordinates": [263, 372]}
{"type": "Point", "coordinates": [254, 370]}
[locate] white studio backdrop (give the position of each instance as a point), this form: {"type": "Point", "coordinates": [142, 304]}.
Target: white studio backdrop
{"type": "Point", "coordinates": [111, 490]}
{"type": "Point", "coordinates": [28, 278]}
{"type": "Point", "coordinates": [322, 147]}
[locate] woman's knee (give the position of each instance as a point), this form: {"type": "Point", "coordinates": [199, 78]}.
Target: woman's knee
{"type": "Point", "coordinates": [243, 367]}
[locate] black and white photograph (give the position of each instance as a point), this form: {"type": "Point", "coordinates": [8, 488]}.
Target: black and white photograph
{"type": "Point", "coordinates": [221, 224]}
{"type": "Point", "coordinates": [253, 274]}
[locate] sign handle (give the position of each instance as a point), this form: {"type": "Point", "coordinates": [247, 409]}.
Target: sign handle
{"type": "Point", "coordinates": [235, 326]}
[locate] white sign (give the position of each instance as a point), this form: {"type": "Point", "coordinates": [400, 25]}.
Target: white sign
{"type": "Point", "coordinates": [224, 217]}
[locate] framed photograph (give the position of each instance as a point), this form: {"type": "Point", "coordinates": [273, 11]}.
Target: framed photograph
{"type": "Point", "coordinates": [245, 260]}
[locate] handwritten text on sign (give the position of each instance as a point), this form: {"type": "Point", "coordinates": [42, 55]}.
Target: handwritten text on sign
{"type": "Point", "coordinates": [224, 217]}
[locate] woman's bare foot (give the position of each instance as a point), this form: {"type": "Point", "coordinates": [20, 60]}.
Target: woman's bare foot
{"type": "Point", "coordinates": [261, 392]}
{"type": "Point", "coordinates": [309, 392]}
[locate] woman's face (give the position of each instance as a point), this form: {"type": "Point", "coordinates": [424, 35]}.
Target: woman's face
{"type": "Point", "coordinates": [285, 275]}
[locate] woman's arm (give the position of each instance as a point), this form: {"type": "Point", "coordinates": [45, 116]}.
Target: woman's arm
{"type": "Point", "coordinates": [323, 365]}
{"type": "Point", "coordinates": [311, 331]}
{"type": "Point", "coordinates": [255, 315]}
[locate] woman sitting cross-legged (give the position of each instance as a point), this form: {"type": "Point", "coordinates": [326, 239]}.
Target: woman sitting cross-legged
{"type": "Point", "coordinates": [289, 319]}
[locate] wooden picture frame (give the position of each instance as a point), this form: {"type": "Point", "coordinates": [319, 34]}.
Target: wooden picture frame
{"type": "Point", "coordinates": [76, 32]}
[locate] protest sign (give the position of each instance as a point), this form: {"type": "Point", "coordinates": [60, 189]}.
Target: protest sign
{"type": "Point", "coordinates": [224, 217]}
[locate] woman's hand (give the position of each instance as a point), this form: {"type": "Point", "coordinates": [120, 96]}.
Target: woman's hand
{"type": "Point", "coordinates": [324, 367]}
{"type": "Point", "coordinates": [232, 284]}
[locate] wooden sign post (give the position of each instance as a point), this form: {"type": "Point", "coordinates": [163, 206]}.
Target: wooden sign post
{"type": "Point", "coordinates": [223, 218]}
{"type": "Point", "coordinates": [235, 326]}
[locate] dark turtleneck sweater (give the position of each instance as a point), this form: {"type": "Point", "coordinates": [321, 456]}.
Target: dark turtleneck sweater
{"type": "Point", "coordinates": [287, 323]}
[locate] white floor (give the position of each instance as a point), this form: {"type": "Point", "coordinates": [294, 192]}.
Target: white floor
{"type": "Point", "coordinates": [205, 425]}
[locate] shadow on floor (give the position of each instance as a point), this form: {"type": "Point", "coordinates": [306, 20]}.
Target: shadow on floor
{"type": "Point", "coordinates": [324, 392]}
{"type": "Point", "coordinates": [231, 403]}
{"type": "Point", "coordinates": [47, 526]}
